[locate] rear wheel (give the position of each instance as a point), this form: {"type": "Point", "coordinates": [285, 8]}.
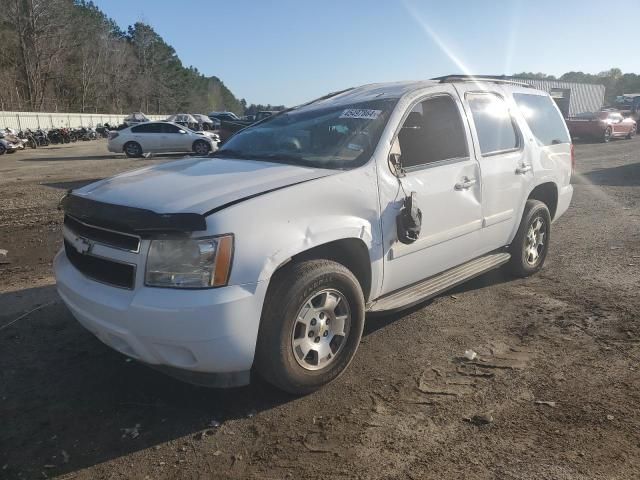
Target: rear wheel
{"type": "Point", "coordinates": [311, 325]}
{"type": "Point", "coordinates": [132, 149]}
{"type": "Point", "coordinates": [606, 136]}
{"type": "Point", "coordinates": [531, 243]}
{"type": "Point", "coordinates": [200, 147]}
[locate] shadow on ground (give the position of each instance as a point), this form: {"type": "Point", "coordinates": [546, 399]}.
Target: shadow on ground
{"type": "Point", "coordinates": [622, 176]}
{"type": "Point", "coordinates": [71, 185]}
{"type": "Point", "coordinates": [64, 390]}
{"type": "Point", "coordinates": [61, 389]}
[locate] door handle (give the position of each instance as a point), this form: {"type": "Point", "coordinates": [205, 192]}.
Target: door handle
{"type": "Point", "coordinates": [522, 169]}
{"type": "Point", "coordinates": [465, 184]}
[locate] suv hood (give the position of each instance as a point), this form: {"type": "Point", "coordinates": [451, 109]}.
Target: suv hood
{"type": "Point", "coordinates": [196, 185]}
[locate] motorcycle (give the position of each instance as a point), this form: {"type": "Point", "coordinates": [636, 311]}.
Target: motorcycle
{"type": "Point", "coordinates": [41, 137]}
{"type": "Point", "coordinates": [28, 138]}
{"type": "Point", "coordinates": [55, 136]}
{"type": "Point", "coordinates": [102, 130]}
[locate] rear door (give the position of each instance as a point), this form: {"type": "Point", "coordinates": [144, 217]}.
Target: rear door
{"type": "Point", "coordinates": [505, 166]}
{"type": "Point", "coordinates": [433, 145]}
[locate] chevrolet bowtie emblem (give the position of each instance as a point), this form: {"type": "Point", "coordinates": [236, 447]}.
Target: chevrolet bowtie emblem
{"type": "Point", "coordinates": [82, 245]}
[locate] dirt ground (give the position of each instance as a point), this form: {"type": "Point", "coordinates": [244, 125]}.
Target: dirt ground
{"type": "Point", "coordinates": [554, 395]}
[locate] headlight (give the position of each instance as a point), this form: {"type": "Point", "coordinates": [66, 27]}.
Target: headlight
{"type": "Point", "coordinates": [189, 263]}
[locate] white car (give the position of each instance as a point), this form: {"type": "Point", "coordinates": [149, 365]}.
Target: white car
{"type": "Point", "coordinates": [159, 137]}
{"type": "Point", "coordinates": [266, 257]}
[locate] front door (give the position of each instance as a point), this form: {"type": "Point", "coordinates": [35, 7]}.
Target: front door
{"type": "Point", "coordinates": [433, 145]}
{"type": "Point", "coordinates": [175, 141]}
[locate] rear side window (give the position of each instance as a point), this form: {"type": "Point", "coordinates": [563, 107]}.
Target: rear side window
{"type": "Point", "coordinates": [543, 118]}
{"type": "Point", "coordinates": [147, 128]}
{"type": "Point", "coordinates": [494, 125]}
{"type": "Point", "coordinates": [432, 132]}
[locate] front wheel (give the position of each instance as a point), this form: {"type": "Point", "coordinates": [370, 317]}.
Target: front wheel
{"type": "Point", "coordinates": [631, 133]}
{"type": "Point", "coordinates": [200, 147]}
{"type": "Point", "coordinates": [311, 325]}
{"type": "Point", "coordinates": [531, 243]}
{"type": "Point", "coordinates": [606, 136]}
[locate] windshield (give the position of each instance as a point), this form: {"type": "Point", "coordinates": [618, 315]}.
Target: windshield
{"type": "Point", "coordinates": [332, 137]}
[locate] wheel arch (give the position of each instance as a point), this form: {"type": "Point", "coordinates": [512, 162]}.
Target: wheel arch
{"type": "Point", "coordinates": [547, 193]}
{"type": "Point", "coordinates": [351, 252]}
{"type": "Point", "coordinates": [124, 145]}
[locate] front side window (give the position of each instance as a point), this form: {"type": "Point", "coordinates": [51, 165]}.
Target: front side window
{"type": "Point", "coordinates": [168, 128]}
{"type": "Point", "coordinates": [543, 118]}
{"type": "Point", "coordinates": [326, 137]}
{"type": "Point", "coordinates": [432, 132]}
{"type": "Point", "coordinates": [494, 125]}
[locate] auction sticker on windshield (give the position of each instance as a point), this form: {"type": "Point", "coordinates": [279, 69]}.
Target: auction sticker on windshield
{"type": "Point", "coordinates": [360, 113]}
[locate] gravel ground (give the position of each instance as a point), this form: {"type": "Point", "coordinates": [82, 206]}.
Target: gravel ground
{"type": "Point", "coordinates": [555, 394]}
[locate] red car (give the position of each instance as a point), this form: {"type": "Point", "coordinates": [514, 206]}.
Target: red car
{"type": "Point", "coordinates": [601, 125]}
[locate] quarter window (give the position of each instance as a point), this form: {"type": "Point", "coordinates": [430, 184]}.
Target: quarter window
{"type": "Point", "coordinates": [432, 132]}
{"type": "Point", "coordinates": [494, 125]}
{"type": "Point", "coordinates": [543, 118]}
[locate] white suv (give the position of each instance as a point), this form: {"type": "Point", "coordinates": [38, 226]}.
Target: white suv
{"type": "Point", "coordinates": [266, 257]}
{"type": "Point", "coordinates": [159, 137]}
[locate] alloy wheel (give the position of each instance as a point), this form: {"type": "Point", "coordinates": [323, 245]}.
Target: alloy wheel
{"type": "Point", "coordinates": [321, 328]}
{"type": "Point", "coordinates": [534, 242]}
{"type": "Point", "coordinates": [201, 148]}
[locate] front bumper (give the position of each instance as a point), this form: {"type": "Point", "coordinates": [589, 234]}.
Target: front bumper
{"type": "Point", "coordinates": [197, 332]}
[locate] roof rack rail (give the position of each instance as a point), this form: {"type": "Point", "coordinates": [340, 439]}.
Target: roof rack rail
{"type": "Point", "coordinates": [479, 78]}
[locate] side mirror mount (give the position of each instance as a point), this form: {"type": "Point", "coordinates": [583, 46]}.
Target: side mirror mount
{"type": "Point", "coordinates": [395, 164]}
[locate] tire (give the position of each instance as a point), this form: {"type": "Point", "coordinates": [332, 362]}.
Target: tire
{"type": "Point", "coordinates": [309, 291]}
{"type": "Point", "coordinates": [529, 249]}
{"type": "Point", "coordinates": [606, 135]}
{"type": "Point", "coordinates": [3, 149]}
{"type": "Point", "coordinates": [132, 150]}
{"type": "Point", "coordinates": [631, 134]}
{"type": "Point", "coordinates": [200, 147]}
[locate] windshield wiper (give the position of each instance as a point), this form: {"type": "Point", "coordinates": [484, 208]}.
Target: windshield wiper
{"type": "Point", "coordinates": [287, 158]}
{"type": "Point", "coordinates": [281, 158]}
{"type": "Point", "coordinates": [229, 153]}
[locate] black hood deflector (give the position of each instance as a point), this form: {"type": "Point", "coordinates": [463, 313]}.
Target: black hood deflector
{"type": "Point", "coordinates": [130, 219]}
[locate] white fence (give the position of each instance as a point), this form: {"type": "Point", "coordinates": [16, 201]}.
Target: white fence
{"type": "Point", "coordinates": [34, 120]}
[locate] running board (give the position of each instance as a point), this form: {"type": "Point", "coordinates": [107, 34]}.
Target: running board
{"type": "Point", "coordinates": [439, 283]}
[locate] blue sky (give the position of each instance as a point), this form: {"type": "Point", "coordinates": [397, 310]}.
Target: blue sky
{"type": "Point", "coordinates": [288, 51]}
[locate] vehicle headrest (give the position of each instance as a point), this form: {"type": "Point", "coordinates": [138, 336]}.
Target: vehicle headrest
{"type": "Point", "coordinates": [414, 119]}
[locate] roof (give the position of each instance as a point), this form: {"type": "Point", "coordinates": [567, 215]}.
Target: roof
{"type": "Point", "coordinates": [394, 90]}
